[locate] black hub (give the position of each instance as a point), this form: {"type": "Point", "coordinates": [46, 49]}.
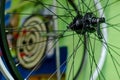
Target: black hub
{"type": "Point", "coordinates": [87, 23]}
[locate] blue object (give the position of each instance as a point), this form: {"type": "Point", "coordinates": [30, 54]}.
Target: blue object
{"type": "Point", "coordinates": [2, 77]}
{"type": "Point", "coordinates": [48, 65]}
{"type": "Point", "coordinates": [7, 17]}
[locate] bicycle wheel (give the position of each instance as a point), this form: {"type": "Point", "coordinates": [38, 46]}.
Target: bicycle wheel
{"type": "Point", "coordinates": [82, 26]}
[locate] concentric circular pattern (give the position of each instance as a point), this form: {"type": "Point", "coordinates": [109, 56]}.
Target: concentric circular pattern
{"type": "Point", "coordinates": [31, 43]}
